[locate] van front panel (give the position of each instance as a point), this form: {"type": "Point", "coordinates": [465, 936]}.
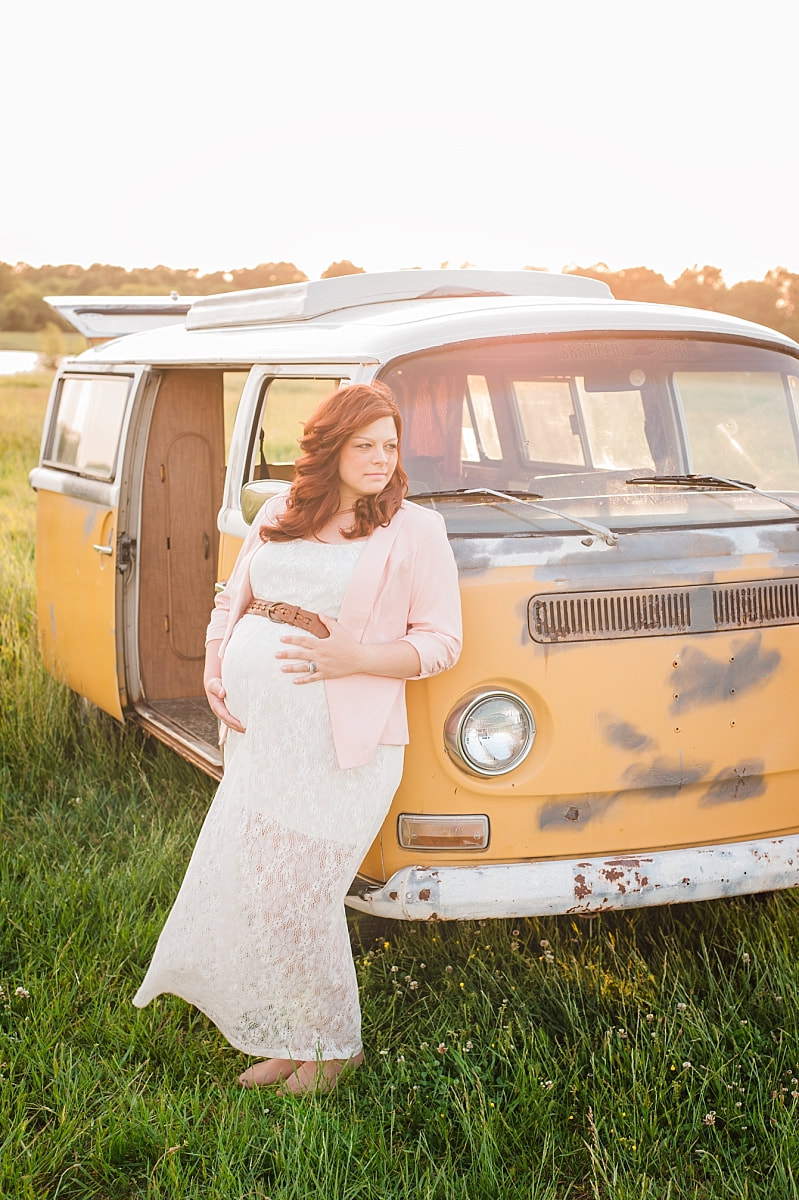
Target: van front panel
{"type": "Point", "coordinates": [641, 743]}
{"type": "Point", "coordinates": [624, 515]}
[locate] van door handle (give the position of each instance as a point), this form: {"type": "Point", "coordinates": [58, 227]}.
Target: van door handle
{"type": "Point", "coordinates": [206, 546]}
{"type": "Point", "coordinates": [103, 549]}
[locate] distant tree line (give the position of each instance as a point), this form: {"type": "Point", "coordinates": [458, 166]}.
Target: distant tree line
{"type": "Point", "coordinates": [772, 301]}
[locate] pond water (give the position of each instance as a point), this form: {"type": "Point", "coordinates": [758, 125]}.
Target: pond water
{"type": "Point", "coordinates": [16, 362]}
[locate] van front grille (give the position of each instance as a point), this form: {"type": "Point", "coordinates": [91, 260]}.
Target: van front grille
{"type": "Point", "coordinates": [773, 602]}
{"type": "Point", "coordinates": [651, 612]}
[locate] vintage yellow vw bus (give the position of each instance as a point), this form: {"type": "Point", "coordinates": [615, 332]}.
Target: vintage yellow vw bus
{"type": "Point", "coordinates": [620, 483]}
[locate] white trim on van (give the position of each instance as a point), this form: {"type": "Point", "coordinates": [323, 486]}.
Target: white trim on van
{"type": "Point", "coordinates": [585, 886]}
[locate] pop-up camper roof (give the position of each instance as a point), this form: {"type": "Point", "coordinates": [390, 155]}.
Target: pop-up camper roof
{"type": "Point", "coordinates": [102, 317]}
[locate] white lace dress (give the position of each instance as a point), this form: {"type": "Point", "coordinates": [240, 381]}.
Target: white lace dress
{"type": "Point", "coordinates": [257, 937]}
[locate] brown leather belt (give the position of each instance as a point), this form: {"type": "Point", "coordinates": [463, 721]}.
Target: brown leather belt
{"type": "Point", "coordinates": [289, 614]}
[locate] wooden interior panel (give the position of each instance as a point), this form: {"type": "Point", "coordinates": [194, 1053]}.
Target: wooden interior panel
{"type": "Point", "coordinates": [183, 478]}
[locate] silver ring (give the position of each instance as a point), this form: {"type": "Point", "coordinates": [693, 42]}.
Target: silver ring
{"type": "Point", "coordinates": [311, 668]}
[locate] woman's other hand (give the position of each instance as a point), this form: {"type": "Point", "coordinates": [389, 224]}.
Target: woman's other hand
{"type": "Point", "coordinates": [340, 654]}
{"type": "Point", "coordinates": [215, 691]}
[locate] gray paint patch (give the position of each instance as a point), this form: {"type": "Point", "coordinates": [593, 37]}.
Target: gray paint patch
{"type": "Point", "coordinates": [734, 784]}
{"type": "Point", "coordinates": [705, 680]}
{"type": "Point", "coordinates": [622, 734]}
{"type": "Point", "coordinates": [664, 776]}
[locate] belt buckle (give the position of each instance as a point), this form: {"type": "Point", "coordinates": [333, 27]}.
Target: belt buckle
{"type": "Point", "coordinates": [271, 610]}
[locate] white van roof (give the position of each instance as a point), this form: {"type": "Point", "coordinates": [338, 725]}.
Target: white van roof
{"type": "Point", "coordinates": [316, 298]}
{"type": "Point", "coordinates": [376, 318]}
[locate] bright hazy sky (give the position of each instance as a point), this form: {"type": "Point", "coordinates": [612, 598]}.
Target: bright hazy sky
{"type": "Point", "coordinates": [504, 133]}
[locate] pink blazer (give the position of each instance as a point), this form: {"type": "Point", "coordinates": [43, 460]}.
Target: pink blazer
{"type": "Point", "coordinates": [404, 588]}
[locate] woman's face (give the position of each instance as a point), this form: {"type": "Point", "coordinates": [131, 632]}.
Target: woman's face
{"type": "Point", "coordinates": [367, 461]}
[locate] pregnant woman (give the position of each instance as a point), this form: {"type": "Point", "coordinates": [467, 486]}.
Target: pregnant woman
{"type": "Point", "coordinates": [361, 588]}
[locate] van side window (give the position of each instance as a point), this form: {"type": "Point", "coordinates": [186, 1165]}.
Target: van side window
{"type": "Point", "coordinates": [286, 404]}
{"type": "Point", "coordinates": [88, 418]}
{"type": "Point", "coordinates": [616, 427]}
{"type": "Point", "coordinates": [549, 421]}
{"type": "Point", "coordinates": [478, 414]}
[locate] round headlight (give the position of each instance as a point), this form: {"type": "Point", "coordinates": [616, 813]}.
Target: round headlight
{"type": "Point", "coordinates": [490, 732]}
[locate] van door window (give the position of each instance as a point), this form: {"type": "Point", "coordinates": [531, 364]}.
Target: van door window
{"type": "Point", "coordinates": [233, 385]}
{"type": "Point", "coordinates": [84, 435]}
{"type": "Point", "coordinates": [286, 405]}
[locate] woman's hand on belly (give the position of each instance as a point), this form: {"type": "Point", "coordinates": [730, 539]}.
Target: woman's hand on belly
{"type": "Point", "coordinates": [340, 654]}
{"type": "Point", "coordinates": [215, 691]}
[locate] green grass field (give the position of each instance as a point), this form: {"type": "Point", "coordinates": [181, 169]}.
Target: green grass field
{"type": "Point", "coordinates": [71, 343]}
{"type": "Point", "coordinates": [653, 1055]}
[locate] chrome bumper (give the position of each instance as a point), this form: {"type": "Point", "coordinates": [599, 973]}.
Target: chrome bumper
{"type": "Point", "coordinates": [584, 886]}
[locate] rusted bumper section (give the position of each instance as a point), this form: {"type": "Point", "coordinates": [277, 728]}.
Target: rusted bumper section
{"type": "Point", "coordinates": [584, 886]}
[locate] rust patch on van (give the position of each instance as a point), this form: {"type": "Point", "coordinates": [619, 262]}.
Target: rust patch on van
{"type": "Point", "coordinates": [581, 888]}
{"type": "Point", "coordinates": [424, 893]}
{"type": "Point", "coordinates": [706, 680]}
{"type": "Point", "coordinates": [628, 870]}
{"type": "Point", "coordinates": [558, 812]}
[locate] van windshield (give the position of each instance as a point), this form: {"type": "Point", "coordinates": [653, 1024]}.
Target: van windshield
{"type": "Point", "coordinates": [582, 422]}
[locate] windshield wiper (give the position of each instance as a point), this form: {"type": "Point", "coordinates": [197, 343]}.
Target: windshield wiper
{"type": "Point", "coordinates": [711, 481]}
{"type": "Point", "coordinates": [601, 531]}
{"type": "Point", "coordinates": [447, 493]}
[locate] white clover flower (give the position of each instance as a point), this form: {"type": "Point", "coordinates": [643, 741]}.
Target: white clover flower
{"type": "Point", "coordinates": [22, 992]}
{"type": "Point", "coordinates": [710, 1118]}
{"type": "Point", "coordinates": [442, 1049]}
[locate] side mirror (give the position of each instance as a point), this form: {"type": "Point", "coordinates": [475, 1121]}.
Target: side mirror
{"type": "Point", "coordinates": [254, 495]}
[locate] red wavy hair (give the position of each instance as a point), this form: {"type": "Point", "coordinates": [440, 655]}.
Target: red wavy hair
{"type": "Point", "coordinates": [314, 495]}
